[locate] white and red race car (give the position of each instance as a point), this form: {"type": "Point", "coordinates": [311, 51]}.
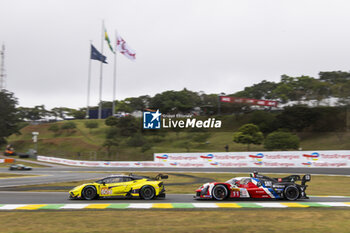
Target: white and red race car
{"type": "Point", "coordinates": [255, 186]}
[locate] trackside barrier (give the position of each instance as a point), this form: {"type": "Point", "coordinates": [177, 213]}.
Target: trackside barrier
{"type": "Point", "coordinates": [329, 159]}
{"type": "Point", "coordinates": [7, 160]}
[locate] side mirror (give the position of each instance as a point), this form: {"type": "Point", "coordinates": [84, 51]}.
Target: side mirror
{"type": "Point", "coordinates": [103, 183]}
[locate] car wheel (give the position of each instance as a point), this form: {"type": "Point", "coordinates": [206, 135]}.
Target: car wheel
{"type": "Point", "coordinates": [147, 192]}
{"type": "Point", "coordinates": [291, 193]}
{"type": "Point", "coordinates": [89, 193]}
{"type": "Point", "coordinates": [220, 192]}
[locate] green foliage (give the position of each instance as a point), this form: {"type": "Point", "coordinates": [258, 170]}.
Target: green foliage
{"type": "Point", "coordinates": [128, 126]}
{"type": "Point", "coordinates": [248, 134]}
{"type": "Point", "coordinates": [112, 132]}
{"type": "Point", "coordinates": [137, 140]}
{"type": "Point", "coordinates": [262, 90]}
{"type": "Point", "coordinates": [138, 103]}
{"type": "Point", "coordinates": [61, 112]}
{"type": "Point", "coordinates": [91, 124]}
{"type": "Point", "coordinates": [319, 119]}
{"type": "Point", "coordinates": [174, 101]}
{"type": "Point", "coordinates": [22, 124]}
{"type": "Point", "coordinates": [146, 147]}
{"type": "Point", "coordinates": [281, 141]}
{"type": "Point", "coordinates": [79, 114]}
{"type": "Point", "coordinates": [54, 128]}
{"type": "Point", "coordinates": [157, 139]}
{"type": "Point", "coordinates": [266, 121]}
{"type": "Point", "coordinates": [8, 115]}
{"type": "Point", "coordinates": [68, 125]}
{"type": "Point", "coordinates": [110, 143]}
{"type": "Point", "coordinates": [36, 113]}
{"type": "Point", "coordinates": [111, 121]}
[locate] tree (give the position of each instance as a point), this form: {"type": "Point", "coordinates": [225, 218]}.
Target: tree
{"type": "Point", "coordinates": [69, 127]}
{"type": "Point", "coordinates": [266, 121]}
{"type": "Point", "coordinates": [127, 125]}
{"type": "Point", "coordinates": [248, 134]}
{"type": "Point", "coordinates": [137, 140]}
{"type": "Point", "coordinates": [297, 117]}
{"type": "Point", "coordinates": [61, 112]}
{"type": "Point", "coordinates": [175, 101]}
{"type": "Point", "coordinates": [8, 115]}
{"type": "Point", "coordinates": [281, 141]}
{"type": "Point", "coordinates": [36, 113]}
{"type": "Point", "coordinates": [111, 121]}
{"type": "Point", "coordinates": [262, 90]}
{"type": "Point", "coordinates": [79, 114]}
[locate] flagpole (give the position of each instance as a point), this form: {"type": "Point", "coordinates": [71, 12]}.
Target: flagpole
{"type": "Point", "coordinates": [88, 85]}
{"type": "Point", "coordinates": [114, 74]}
{"type": "Point", "coordinates": [101, 71]}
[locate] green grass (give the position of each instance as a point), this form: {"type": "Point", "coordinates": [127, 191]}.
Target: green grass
{"type": "Point", "coordinates": [13, 175]}
{"type": "Point", "coordinates": [84, 143]}
{"type": "Point", "coordinates": [154, 221]}
{"type": "Point", "coordinates": [319, 185]}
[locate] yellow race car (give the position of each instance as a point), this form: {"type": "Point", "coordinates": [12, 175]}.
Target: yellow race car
{"type": "Point", "coordinates": [121, 186]}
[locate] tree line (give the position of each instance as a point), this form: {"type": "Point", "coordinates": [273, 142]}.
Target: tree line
{"type": "Point", "coordinates": [334, 84]}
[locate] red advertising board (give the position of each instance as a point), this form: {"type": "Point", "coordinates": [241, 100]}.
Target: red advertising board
{"type": "Point", "coordinates": [228, 99]}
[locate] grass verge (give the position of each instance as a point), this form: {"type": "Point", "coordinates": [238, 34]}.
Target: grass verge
{"type": "Point", "coordinates": [233, 220]}
{"type": "Point", "coordinates": [13, 175]}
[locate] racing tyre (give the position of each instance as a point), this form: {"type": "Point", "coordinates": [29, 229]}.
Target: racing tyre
{"type": "Point", "coordinates": [220, 192]}
{"type": "Point", "coordinates": [147, 192]}
{"type": "Point", "coordinates": [291, 193]}
{"type": "Point", "coordinates": [89, 193]}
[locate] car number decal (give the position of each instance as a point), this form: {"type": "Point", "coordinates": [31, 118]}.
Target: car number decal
{"type": "Point", "coordinates": [106, 191]}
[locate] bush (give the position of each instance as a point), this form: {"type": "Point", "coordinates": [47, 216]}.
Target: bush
{"type": "Point", "coordinates": [111, 121]}
{"type": "Point", "coordinates": [91, 124]}
{"type": "Point", "coordinates": [112, 132]}
{"type": "Point", "coordinates": [282, 141]}
{"type": "Point", "coordinates": [79, 114]}
{"type": "Point", "coordinates": [54, 128]}
{"type": "Point", "coordinates": [146, 147]}
{"type": "Point", "coordinates": [248, 134]}
{"type": "Point", "coordinates": [137, 140]}
{"type": "Point", "coordinates": [68, 125]}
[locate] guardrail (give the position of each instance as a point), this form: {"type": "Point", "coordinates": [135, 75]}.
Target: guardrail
{"type": "Point", "coordinates": [327, 159]}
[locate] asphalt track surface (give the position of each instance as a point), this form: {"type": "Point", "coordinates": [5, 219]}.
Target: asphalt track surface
{"type": "Point", "coordinates": [64, 173]}
{"type": "Point", "coordinates": [62, 198]}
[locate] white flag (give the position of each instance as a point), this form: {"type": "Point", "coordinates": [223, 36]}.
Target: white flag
{"type": "Point", "coordinates": [124, 48]}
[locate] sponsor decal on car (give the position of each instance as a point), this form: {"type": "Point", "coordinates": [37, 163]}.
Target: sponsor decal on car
{"type": "Point", "coordinates": [106, 191]}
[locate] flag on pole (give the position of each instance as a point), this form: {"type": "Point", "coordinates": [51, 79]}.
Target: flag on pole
{"type": "Point", "coordinates": [96, 55]}
{"type": "Point", "coordinates": [124, 48]}
{"type": "Point", "coordinates": [108, 41]}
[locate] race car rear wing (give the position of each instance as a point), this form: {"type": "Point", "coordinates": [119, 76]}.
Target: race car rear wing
{"type": "Point", "coordinates": [161, 176]}
{"type": "Point", "coordinates": [306, 178]}
{"type": "Point", "coordinates": [293, 178]}
{"type": "Point", "coordinates": [157, 177]}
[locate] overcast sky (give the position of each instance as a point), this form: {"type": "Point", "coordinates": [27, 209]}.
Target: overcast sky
{"type": "Point", "coordinates": [204, 45]}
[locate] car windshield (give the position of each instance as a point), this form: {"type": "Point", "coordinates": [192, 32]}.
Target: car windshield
{"type": "Point", "coordinates": [110, 180]}
{"type": "Point", "coordinates": [232, 181]}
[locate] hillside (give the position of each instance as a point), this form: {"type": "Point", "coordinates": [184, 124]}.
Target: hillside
{"type": "Point", "coordinates": [84, 143]}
